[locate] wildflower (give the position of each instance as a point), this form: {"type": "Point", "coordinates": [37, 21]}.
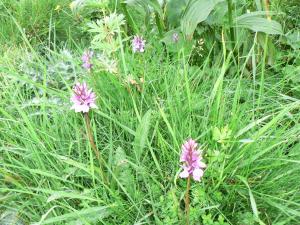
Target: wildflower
{"type": "Point", "coordinates": [82, 98]}
{"type": "Point", "coordinates": [138, 44]}
{"type": "Point", "coordinates": [175, 37]}
{"type": "Point", "coordinates": [191, 157]}
{"type": "Point", "coordinates": [86, 59]}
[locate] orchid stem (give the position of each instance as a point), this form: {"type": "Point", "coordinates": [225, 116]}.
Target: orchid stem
{"type": "Point", "coordinates": [187, 200]}
{"type": "Point", "coordinates": [267, 7]}
{"type": "Point", "coordinates": [93, 145]}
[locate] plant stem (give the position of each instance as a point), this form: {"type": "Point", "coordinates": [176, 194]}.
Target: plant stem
{"type": "Point", "coordinates": [267, 7]}
{"type": "Point", "coordinates": [90, 135]}
{"type": "Point", "coordinates": [93, 145]}
{"type": "Point", "coordinates": [229, 5]}
{"type": "Point", "coordinates": [187, 200]}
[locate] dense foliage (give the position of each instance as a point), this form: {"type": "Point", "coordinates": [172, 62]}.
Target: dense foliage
{"type": "Point", "coordinates": [225, 73]}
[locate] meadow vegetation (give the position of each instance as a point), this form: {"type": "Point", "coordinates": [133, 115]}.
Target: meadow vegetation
{"type": "Point", "coordinates": [225, 73]}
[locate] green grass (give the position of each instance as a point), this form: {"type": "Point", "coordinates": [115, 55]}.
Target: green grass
{"type": "Point", "coordinates": [49, 174]}
{"type": "Point", "coordinates": [41, 22]}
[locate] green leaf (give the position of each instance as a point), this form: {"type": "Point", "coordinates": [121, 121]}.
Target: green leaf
{"type": "Point", "coordinates": [156, 6]}
{"type": "Point", "coordinates": [10, 217]}
{"type": "Point", "coordinates": [181, 44]}
{"type": "Point", "coordinates": [71, 194]}
{"type": "Point", "coordinates": [197, 11]}
{"type": "Point", "coordinates": [145, 5]}
{"type": "Point", "coordinates": [216, 17]}
{"type": "Point", "coordinates": [174, 11]}
{"type": "Point", "coordinates": [258, 4]}
{"type": "Point", "coordinates": [293, 39]}
{"type": "Point", "coordinates": [123, 171]}
{"type": "Point", "coordinates": [256, 23]}
{"type": "Point", "coordinates": [271, 49]}
{"type": "Point", "coordinates": [216, 134]}
{"type": "Point", "coordinates": [141, 135]}
{"type": "Point", "coordinates": [94, 213]}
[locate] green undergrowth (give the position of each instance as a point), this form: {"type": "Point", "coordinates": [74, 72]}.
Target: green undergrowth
{"type": "Point", "coordinates": [241, 108]}
{"type": "Point", "coordinates": [250, 138]}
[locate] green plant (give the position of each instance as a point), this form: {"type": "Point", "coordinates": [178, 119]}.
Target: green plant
{"type": "Point", "coordinates": [242, 109]}
{"type": "Point", "coordinates": [47, 22]}
{"type": "Point", "coordinates": [148, 7]}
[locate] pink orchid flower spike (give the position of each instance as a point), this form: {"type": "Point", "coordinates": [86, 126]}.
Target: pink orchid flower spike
{"type": "Point", "coordinates": [191, 159]}
{"type": "Point", "coordinates": [83, 99]}
{"type": "Point", "coordinates": [138, 44]}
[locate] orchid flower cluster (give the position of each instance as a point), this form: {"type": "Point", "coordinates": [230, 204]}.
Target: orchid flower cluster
{"type": "Point", "coordinates": [138, 44]}
{"type": "Point", "coordinates": [83, 99]}
{"type": "Point", "coordinates": [192, 161]}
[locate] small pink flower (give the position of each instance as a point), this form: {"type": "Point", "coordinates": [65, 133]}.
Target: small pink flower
{"type": "Point", "coordinates": [82, 98]}
{"type": "Point", "coordinates": [138, 44]}
{"type": "Point", "coordinates": [191, 159]}
{"type": "Point", "coordinates": [86, 59]}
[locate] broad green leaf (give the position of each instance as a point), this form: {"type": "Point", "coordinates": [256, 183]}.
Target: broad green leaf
{"type": "Point", "coordinates": [259, 13]}
{"type": "Point", "coordinates": [145, 4]}
{"type": "Point", "coordinates": [141, 135]}
{"type": "Point", "coordinates": [197, 11]}
{"type": "Point", "coordinates": [168, 36]}
{"type": "Point", "coordinates": [293, 39]}
{"type": "Point", "coordinates": [271, 49]}
{"type": "Point", "coordinates": [10, 217]}
{"type": "Point", "coordinates": [136, 2]}
{"type": "Point", "coordinates": [85, 214]}
{"type": "Point", "coordinates": [218, 14]}
{"type": "Point", "coordinates": [216, 134]}
{"type": "Point", "coordinates": [71, 194]}
{"type": "Point", "coordinates": [258, 4]}
{"type": "Point", "coordinates": [256, 23]}
{"type": "Point", "coordinates": [123, 171]}
{"type": "Point", "coordinates": [181, 44]}
{"type": "Point", "coordinates": [156, 6]}
{"type": "Point", "coordinates": [174, 11]}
